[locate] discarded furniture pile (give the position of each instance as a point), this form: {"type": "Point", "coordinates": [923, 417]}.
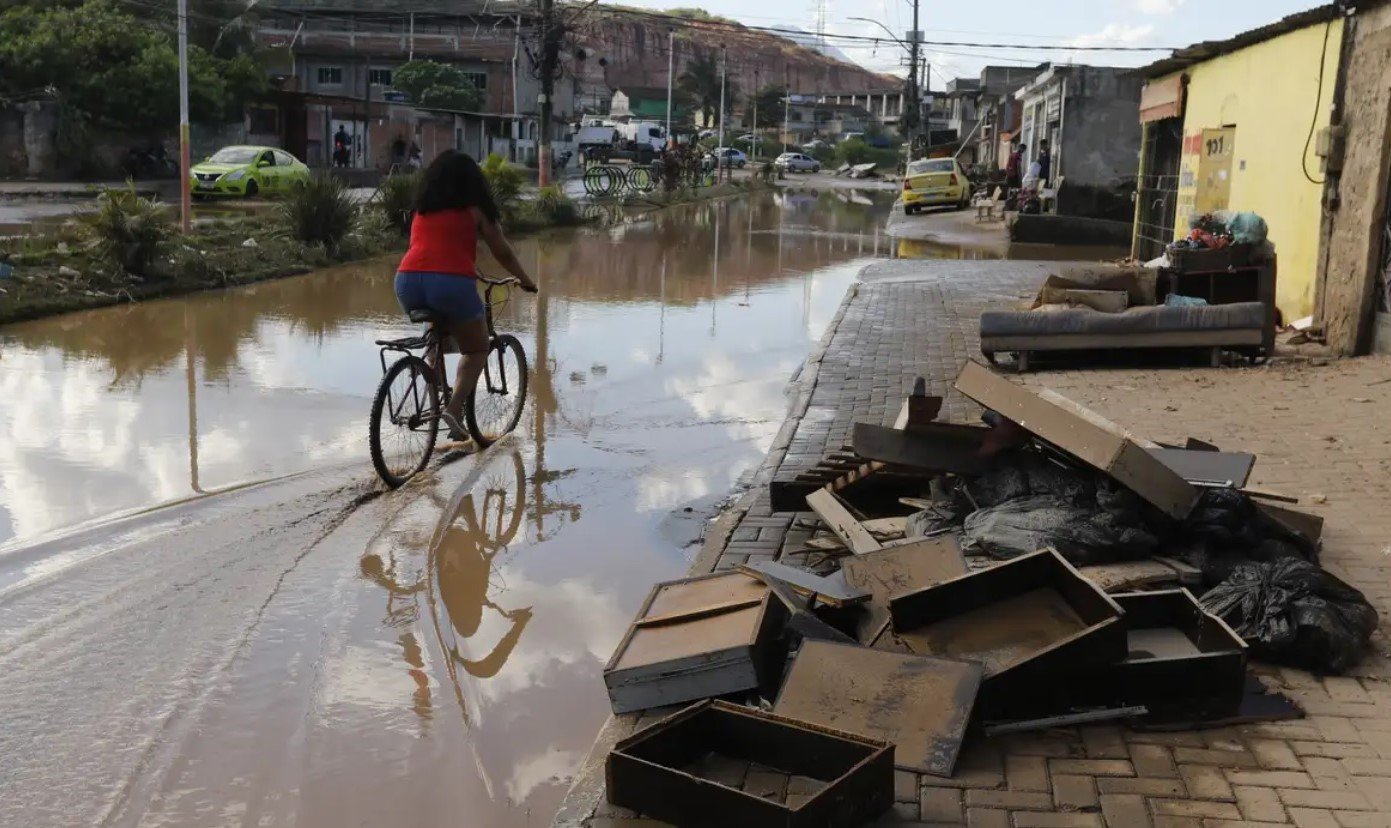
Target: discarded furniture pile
{"type": "Point", "coordinates": [1205, 309]}
{"type": "Point", "coordinates": [1042, 569]}
{"type": "Point", "coordinates": [858, 170]}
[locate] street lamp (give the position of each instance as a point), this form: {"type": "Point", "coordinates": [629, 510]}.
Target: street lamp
{"type": "Point", "coordinates": [911, 113]}
{"type": "Point", "coordinates": [886, 29]}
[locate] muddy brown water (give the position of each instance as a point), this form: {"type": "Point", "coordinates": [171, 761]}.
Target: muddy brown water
{"type": "Point", "coordinates": [298, 652]}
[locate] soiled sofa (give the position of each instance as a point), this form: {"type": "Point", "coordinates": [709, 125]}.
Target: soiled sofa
{"type": "Point", "coordinates": [1247, 327]}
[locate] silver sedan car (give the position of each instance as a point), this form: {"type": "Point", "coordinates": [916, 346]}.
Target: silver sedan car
{"type": "Point", "coordinates": [797, 162]}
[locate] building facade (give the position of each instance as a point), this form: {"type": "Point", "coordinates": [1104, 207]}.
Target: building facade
{"type": "Point", "coordinates": [1089, 118]}
{"type": "Point", "coordinates": [1226, 127]}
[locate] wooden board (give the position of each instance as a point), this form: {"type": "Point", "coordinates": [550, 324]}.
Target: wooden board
{"type": "Point", "coordinates": [1129, 575]}
{"type": "Point", "coordinates": [839, 520]}
{"type": "Point", "coordinates": [921, 705]}
{"type": "Point", "coordinates": [896, 571]}
{"type": "Point", "coordinates": [1002, 633]}
{"type": "Point", "coordinates": [833, 590]}
{"type": "Point", "coordinates": [940, 447]}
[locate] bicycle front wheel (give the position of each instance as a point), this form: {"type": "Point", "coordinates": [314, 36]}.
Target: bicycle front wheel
{"type": "Point", "coordinates": [405, 421]}
{"type": "Point", "coordinates": [500, 393]}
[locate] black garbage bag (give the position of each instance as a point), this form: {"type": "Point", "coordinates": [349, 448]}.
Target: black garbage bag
{"type": "Point", "coordinates": [1020, 474]}
{"type": "Point", "coordinates": [1229, 519]}
{"type": "Point", "coordinates": [1292, 612]}
{"type": "Point", "coordinates": [1084, 534]}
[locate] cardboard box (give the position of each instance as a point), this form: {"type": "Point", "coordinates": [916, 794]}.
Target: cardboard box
{"type": "Point", "coordinates": [1085, 435]}
{"type": "Point", "coordinates": [658, 771]}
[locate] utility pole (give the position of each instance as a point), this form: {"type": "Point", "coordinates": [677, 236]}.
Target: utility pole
{"type": "Point", "coordinates": [914, 36]}
{"type": "Point", "coordinates": [185, 152]}
{"type": "Point", "coordinates": [786, 109]}
{"type": "Point", "coordinates": [411, 53]}
{"type": "Point", "coordinates": [550, 58]}
{"type": "Point", "coordinates": [671, 67]}
{"type": "Point", "coordinates": [754, 133]}
{"type": "Point", "coordinates": [720, 159]}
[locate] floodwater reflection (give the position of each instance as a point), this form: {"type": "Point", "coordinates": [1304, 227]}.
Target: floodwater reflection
{"type": "Point", "coordinates": [126, 407]}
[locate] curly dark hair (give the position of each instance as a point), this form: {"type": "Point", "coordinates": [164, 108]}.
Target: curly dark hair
{"type": "Point", "coordinates": [454, 181]}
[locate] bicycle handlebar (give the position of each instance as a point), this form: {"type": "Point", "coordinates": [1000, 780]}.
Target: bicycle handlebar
{"type": "Point", "coordinates": [510, 280]}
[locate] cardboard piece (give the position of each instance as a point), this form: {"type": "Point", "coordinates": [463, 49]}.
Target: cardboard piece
{"type": "Point", "coordinates": [657, 771]}
{"type": "Point", "coordinates": [1084, 435]}
{"type": "Point", "coordinates": [920, 705]}
{"type": "Point", "coordinates": [698, 638]}
{"type": "Point", "coordinates": [833, 590]}
{"type": "Point", "coordinates": [899, 570]}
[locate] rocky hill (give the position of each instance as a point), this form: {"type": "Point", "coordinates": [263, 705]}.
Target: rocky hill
{"type": "Point", "coordinates": [630, 49]}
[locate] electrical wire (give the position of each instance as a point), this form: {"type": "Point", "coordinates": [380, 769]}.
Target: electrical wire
{"type": "Point", "coordinates": [1318, 99]}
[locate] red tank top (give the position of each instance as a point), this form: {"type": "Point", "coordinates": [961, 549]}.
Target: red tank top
{"type": "Point", "coordinates": [443, 242]}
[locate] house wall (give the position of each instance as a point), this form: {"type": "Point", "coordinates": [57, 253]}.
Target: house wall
{"type": "Point", "coordinates": [1353, 246]}
{"type": "Point", "coordinates": [1266, 94]}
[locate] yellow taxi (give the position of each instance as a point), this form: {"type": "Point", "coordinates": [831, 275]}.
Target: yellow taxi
{"type": "Point", "coordinates": [933, 182]}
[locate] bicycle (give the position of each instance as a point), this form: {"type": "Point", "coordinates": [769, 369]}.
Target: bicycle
{"type": "Point", "coordinates": [412, 395]}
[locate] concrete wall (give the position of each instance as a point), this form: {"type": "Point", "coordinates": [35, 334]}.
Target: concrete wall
{"type": "Point", "coordinates": [1354, 236]}
{"type": "Point", "coordinates": [1267, 92]}
{"type": "Point", "coordinates": [1101, 128]}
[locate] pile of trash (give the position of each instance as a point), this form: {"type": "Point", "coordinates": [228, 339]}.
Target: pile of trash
{"type": "Point", "coordinates": [1216, 230]}
{"type": "Point", "coordinates": [1041, 569]}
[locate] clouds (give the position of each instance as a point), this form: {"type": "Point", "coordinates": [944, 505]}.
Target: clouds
{"type": "Point", "coordinates": [1157, 6]}
{"type": "Point", "coordinates": [1116, 34]}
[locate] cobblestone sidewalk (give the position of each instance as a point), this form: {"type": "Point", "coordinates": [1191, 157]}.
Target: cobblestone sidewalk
{"type": "Point", "coordinates": [1319, 432]}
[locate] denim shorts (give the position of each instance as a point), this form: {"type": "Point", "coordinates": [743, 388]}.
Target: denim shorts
{"type": "Point", "coordinates": [453, 297]}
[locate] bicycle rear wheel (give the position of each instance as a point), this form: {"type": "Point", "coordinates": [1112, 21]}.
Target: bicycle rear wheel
{"type": "Point", "coordinates": [405, 420]}
{"type": "Point", "coordinates": [500, 394]}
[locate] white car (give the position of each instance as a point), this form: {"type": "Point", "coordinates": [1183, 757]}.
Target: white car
{"type": "Point", "coordinates": [730, 157]}
{"type": "Point", "coordinates": [797, 162]}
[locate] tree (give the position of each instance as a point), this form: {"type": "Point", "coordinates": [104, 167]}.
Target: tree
{"type": "Point", "coordinates": [117, 69]}
{"type": "Point", "coordinates": [437, 86]}
{"type": "Point", "coordinates": [770, 105]}
{"type": "Point", "coordinates": [701, 80]}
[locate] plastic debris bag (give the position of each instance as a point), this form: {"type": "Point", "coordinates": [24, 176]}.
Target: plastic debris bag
{"type": "Point", "coordinates": [1083, 534]}
{"type": "Point", "coordinates": [1292, 612]}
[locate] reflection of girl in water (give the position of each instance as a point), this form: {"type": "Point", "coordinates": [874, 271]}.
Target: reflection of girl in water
{"type": "Point", "coordinates": [462, 567]}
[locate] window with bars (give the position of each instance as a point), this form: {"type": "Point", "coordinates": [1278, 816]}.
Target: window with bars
{"type": "Point", "coordinates": [379, 77]}
{"type": "Point", "coordinates": [330, 75]}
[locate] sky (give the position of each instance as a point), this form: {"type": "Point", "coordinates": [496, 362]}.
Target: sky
{"type": "Point", "coordinates": [1166, 23]}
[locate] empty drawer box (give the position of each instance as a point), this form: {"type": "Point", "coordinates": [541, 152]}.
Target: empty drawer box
{"type": "Point", "coordinates": [692, 769]}
{"type": "Point", "coordinates": [698, 638]}
{"type": "Point", "coordinates": [1031, 622]}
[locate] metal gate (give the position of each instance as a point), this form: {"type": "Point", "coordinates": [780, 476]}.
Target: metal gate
{"type": "Point", "coordinates": [1158, 190]}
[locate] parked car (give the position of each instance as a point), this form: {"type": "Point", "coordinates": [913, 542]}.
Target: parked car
{"type": "Point", "coordinates": [248, 171]}
{"type": "Point", "coordinates": [730, 157]}
{"type": "Point", "coordinates": [797, 162]}
{"type": "Point", "coordinates": [932, 182]}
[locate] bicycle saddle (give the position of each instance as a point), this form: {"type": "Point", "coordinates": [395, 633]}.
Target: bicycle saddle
{"type": "Point", "coordinates": [423, 316]}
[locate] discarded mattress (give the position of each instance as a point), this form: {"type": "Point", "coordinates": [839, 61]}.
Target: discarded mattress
{"type": "Point", "coordinates": [1152, 319]}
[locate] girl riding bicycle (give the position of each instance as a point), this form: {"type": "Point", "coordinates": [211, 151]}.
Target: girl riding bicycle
{"type": "Point", "coordinates": [453, 207]}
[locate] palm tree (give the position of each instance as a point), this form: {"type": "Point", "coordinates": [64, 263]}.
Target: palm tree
{"type": "Point", "coordinates": [701, 80]}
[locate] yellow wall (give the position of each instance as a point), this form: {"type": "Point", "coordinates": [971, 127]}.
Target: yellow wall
{"type": "Point", "coordinates": [1267, 93]}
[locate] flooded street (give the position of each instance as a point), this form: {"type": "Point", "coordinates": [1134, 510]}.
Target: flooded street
{"type": "Point", "coordinates": [281, 644]}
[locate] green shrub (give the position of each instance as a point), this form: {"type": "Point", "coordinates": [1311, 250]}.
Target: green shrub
{"type": "Point", "coordinates": [129, 231]}
{"type": "Point", "coordinates": [556, 207]}
{"type": "Point", "coordinates": [321, 212]}
{"type": "Point", "coordinates": [506, 181]}
{"type": "Point", "coordinates": [857, 151]}
{"type": "Point", "coordinates": [372, 233]}
{"type": "Point", "coordinates": [395, 198]}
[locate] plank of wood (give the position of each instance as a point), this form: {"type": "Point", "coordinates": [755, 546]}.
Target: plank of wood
{"type": "Point", "coordinates": [698, 613]}
{"type": "Point", "coordinates": [918, 503]}
{"type": "Point", "coordinates": [942, 448]}
{"type": "Point", "coordinates": [838, 519]}
{"type": "Point", "coordinates": [1265, 494]}
{"type": "Point", "coordinates": [833, 590]}
{"type": "Point", "coordinates": [1127, 575]}
{"type": "Point", "coordinates": [826, 544]}
{"type": "Point", "coordinates": [917, 410]}
{"type": "Point", "coordinates": [908, 567]}
{"type": "Point", "coordinates": [889, 528]}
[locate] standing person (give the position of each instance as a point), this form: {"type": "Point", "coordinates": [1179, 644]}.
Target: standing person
{"type": "Point", "coordinates": [1014, 167]}
{"type": "Point", "coordinates": [1045, 163]}
{"type": "Point", "coordinates": [454, 208]}
{"type": "Point", "coordinates": [341, 139]}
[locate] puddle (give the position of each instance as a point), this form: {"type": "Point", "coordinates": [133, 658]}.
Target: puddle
{"type": "Point", "coordinates": [439, 653]}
